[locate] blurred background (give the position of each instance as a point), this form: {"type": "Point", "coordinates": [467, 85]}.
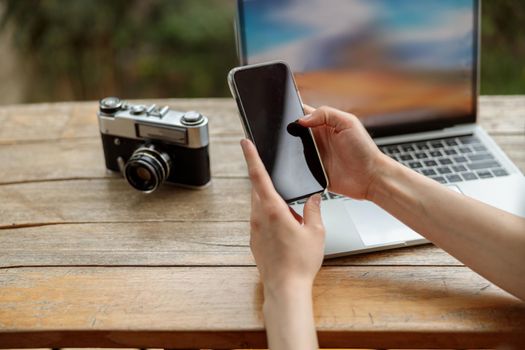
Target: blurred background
{"type": "Point", "coordinates": [62, 50]}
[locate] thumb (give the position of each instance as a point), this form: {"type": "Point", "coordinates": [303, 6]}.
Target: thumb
{"type": "Point", "coordinates": [312, 212]}
{"type": "Point", "coordinates": [327, 116]}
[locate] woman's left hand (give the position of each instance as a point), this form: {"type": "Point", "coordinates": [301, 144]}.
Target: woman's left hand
{"type": "Point", "coordinates": [288, 249]}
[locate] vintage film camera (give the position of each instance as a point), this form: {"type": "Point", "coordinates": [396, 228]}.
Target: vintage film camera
{"type": "Point", "coordinates": [150, 145]}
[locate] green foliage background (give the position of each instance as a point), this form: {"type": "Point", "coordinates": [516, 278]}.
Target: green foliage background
{"type": "Point", "coordinates": [79, 49]}
{"type": "Point", "coordinates": [503, 47]}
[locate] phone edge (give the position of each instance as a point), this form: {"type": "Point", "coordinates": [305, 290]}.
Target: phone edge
{"type": "Point", "coordinates": [242, 115]}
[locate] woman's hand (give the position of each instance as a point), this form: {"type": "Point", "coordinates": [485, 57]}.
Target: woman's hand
{"type": "Point", "coordinates": [350, 157]}
{"type": "Point", "coordinates": [288, 249]}
{"type": "Point", "coordinates": [488, 240]}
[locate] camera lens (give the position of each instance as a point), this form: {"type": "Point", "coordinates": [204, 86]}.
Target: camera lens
{"type": "Point", "coordinates": [147, 168]}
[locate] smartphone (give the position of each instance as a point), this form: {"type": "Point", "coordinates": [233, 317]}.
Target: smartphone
{"type": "Point", "coordinates": [269, 105]}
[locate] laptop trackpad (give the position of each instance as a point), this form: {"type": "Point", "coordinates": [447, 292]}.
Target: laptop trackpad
{"type": "Point", "coordinates": [376, 226]}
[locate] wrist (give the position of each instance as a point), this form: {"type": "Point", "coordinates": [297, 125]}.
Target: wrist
{"type": "Point", "coordinates": [384, 170]}
{"type": "Point", "coordinates": [292, 290]}
{"type": "Point", "coordinates": [288, 315]}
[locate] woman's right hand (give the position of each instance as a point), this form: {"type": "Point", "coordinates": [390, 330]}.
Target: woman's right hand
{"type": "Point", "coordinates": [350, 157]}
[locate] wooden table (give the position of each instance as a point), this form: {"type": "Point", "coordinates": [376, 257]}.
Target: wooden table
{"type": "Point", "coordinates": [85, 261]}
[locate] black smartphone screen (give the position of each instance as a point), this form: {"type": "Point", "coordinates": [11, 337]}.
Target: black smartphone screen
{"type": "Point", "coordinates": [269, 102]}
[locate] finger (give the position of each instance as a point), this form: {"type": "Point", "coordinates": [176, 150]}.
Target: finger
{"type": "Point", "coordinates": [255, 209]}
{"type": "Point", "coordinates": [308, 109]}
{"type": "Point", "coordinates": [256, 202]}
{"type": "Point", "coordinates": [312, 212]}
{"type": "Point", "coordinates": [297, 217]}
{"type": "Point", "coordinates": [259, 177]}
{"type": "Point", "coordinates": [328, 116]}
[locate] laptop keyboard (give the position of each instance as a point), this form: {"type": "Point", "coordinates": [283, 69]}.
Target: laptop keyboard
{"type": "Point", "coordinates": [448, 160]}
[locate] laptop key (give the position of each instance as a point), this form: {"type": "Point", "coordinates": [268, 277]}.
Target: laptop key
{"type": "Point", "coordinates": [459, 168]}
{"type": "Point", "coordinates": [451, 142]}
{"type": "Point", "coordinates": [444, 170]}
{"type": "Point", "coordinates": [467, 140]}
{"type": "Point", "coordinates": [469, 176]}
{"type": "Point", "coordinates": [406, 157]}
{"type": "Point", "coordinates": [428, 172]}
{"type": "Point", "coordinates": [439, 179]}
{"type": "Point", "coordinates": [451, 152]}
{"type": "Point", "coordinates": [464, 150]}
{"type": "Point", "coordinates": [444, 161]}
{"type": "Point", "coordinates": [392, 150]}
{"type": "Point", "coordinates": [500, 172]}
{"type": "Point", "coordinates": [421, 155]}
{"type": "Point", "coordinates": [483, 165]}
{"type": "Point", "coordinates": [460, 159]}
{"type": "Point", "coordinates": [436, 154]}
{"type": "Point", "coordinates": [415, 165]}
{"type": "Point", "coordinates": [430, 163]}
{"type": "Point", "coordinates": [479, 148]}
{"type": "Point", "coordinates": [407, 148]}
{"type": "Point", "coordinates": [482, 156]}
{"type": "Point", "coordinates": [454, 178]}
{"type": "Point", "coordinates": [422, 146]}
{"type": "Point", "coordinates": [484, 174]}
{"type": "Point", "coordinates": [436, 144]}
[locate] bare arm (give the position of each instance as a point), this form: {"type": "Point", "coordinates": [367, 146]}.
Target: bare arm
{"type": "Point", "coordinates": [488, 240]}
{"type": "Point", "coordinates": [288, 250]}
{"type": "Point", "coordinates": [289, 318]}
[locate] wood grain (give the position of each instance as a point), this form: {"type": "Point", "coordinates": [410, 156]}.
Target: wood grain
{"type": "Point", "coordinates": [35, 122]}
{"type": "Point", "coordinates": [111, 200]}
{"type": "Point", "coordinates": [167, 244]}
{"type": "Point", "coordinates": [82, 158]}
{"type": "Point", "coordinates": [87, 262]}
{"type": "Point", "coordinates": [119, 307]}
{"type": "Point", "coordinates": [70, 147]}
{"type": "Point", "coordinates": [502, 114]}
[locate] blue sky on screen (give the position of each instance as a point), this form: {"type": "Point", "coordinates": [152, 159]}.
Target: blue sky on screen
{"type": "Point", "coordinates": [423, 33]}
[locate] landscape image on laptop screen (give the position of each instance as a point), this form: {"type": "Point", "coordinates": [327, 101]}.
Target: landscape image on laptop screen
{"type": "Point", "coordinates": [387, 61]}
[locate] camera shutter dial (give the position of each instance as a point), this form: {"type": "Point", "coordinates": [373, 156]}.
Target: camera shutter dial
{"type": "Point", "coordinates": [110, 105]}
{"type": "Point", "coordinates": [192, 118]}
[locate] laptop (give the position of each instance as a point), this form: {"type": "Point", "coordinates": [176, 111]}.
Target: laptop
{"type": "Point", "coordinates": [409, 70]}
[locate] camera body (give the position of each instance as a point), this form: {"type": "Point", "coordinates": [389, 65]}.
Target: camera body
{"type": "Point", "coordinates": [150, 145]}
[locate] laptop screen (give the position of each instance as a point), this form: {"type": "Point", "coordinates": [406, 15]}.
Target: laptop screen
{"type": "Point", "coordinates": [399, 65]}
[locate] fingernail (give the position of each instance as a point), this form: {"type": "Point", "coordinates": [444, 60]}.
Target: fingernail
{"type": "Point", "coordinates": [317, 199]}
{"type": "Point", "coordinates": [306, 117]}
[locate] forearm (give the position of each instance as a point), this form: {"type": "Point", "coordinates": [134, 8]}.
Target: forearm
{"type": "Point", "coordinates": [289, 319]}
{"type": "Point", "coordinates": [489, 240]}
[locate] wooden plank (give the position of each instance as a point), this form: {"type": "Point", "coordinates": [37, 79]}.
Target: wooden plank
{"type": "Point", "coordinates": [167, 244]}
{"type": "Point", "coordinates": [376, 307]}
{"type": "Point", "coordinates": [502, 114]}
{"type": "Point", "coordinates": [514, 148]}
{"type": "Point", "coordinates": [112, 200]}
{"type": "Point", "coordinates": [498, 114]}
{"type": "Point", "coordinates": [54, 121]}
{"type": "Point", "coordinates": [83, 158]}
